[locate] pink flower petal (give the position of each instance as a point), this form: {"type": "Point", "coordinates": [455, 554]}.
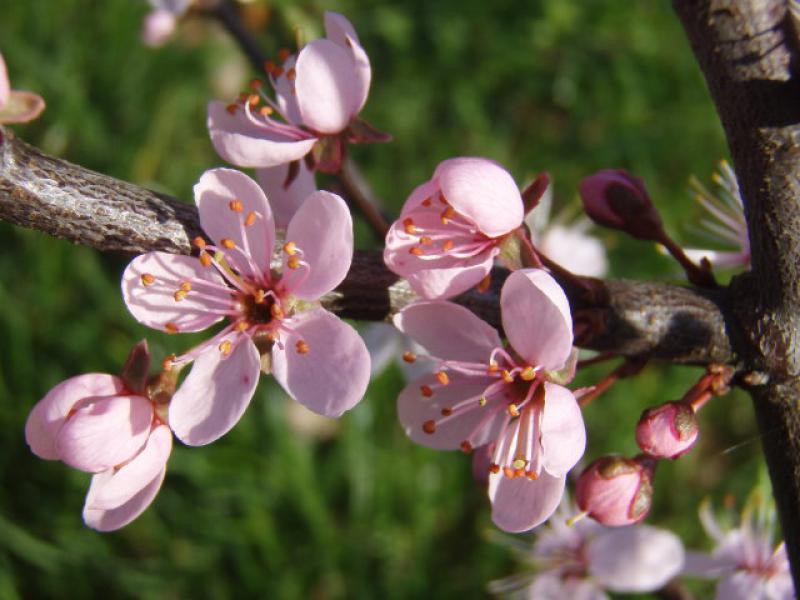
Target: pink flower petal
{"type": "Point", "coordinates": [332, 375]}
{"type": "Point", "coordinates": [563, 432]}
{"type": "Point", "coordinates": [448, 331]}
{"type": "Point", "coordinates": [285, 94]}
{"type": "Point", "coordinates": [213, 194]}
{"type": "Point", "coordinates": [719, 258]}
{"type": "Point", "coordinates": [329, 91]}
{"type": "Point", "coordinates": [414, 409]}
{"type": "Point", "coordinates": [536, 318]}
{"type": "Point", "coordinates": [339, 30]}
{"type": "Point", "coordinates": [21, 107]}
{"type": "Point", "coordinates": [286, 200]}
{"type": "Point", "coordinates": [634, 559]}
{"type": "Point", "coordinates": [215, 394]}
{"type": "Point", "coordinates": [104, 432]}
{"type": "Point", "coordinates": [157, 27]}
{"type": "Point", "coordinates": [743, 585]}
{"type": "Point", "coordinates": [5, 86]}
{"type": "Point", "coordinates": [421, 193]}
{"type": "Point", "coordinates": [109, 520]}
{"type": "Point", "coordinates": [136, 475]}
{"type": "Point", "coordinates": [243, 144]}
{"type": "Point", "coordinates": [322, 229]}
{"type": "Point", "coordinates": [575, 250]}
{"type": "Point", "coordinates": [550, 585]}
{"type": "Point", "coordinates": [700, 564]}
{"type": "Point", "coordinates": [49, 414]}
{"type": "Point", "coordinates": [520, 504]}
{"type": "Point", "coordinates": [483, 191]}
{"type": "Point", "coordinates": [152, 301]}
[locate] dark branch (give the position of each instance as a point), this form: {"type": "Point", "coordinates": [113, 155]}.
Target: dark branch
{"type": "Point", "coordinates": [747, 50]}
{"type": "Point", "coordinates": [674, 323]}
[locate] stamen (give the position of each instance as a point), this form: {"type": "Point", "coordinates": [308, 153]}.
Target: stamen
{"type": "Point", "coordinates": [265, 111]}
{"type": "Point", "coordinates": [409, 227]}
{"type": "Point", "coordinates": [284, 54]}
{"type": "Point", "coordinates": [148, 279]}
{"type": "Point", "coordinates": [290, 248]}
{"type": "Point", "coordinates": [250, 219]}
{"type": "Point", "coordinates": [242, 326]}
{"type": "Point", "coordinates": [236, 205]}
{"type": "Point", "coordinates": [485, 284]}
{"type": "Point", "coordinates": [448, 245]}
{"type": "Point", "coordinates": [293, 262]}
{"type": "Point", "coordinates": [531, 475]}
{"type": "Point", "coordinates": [482, 401]}
{"type": "Point", "coordinates": [302, 347]}
{"type": "Point", "coordinates": [466, 447]}
{"type": "Point", "coordinates": [259, 296]}
{"type": "Point", "coordinates": [171, 327]}
{"type": "Point", "coordinates": [225, 347]}
{"type": "Point", "coordinates": [519, 463]}
{"type": "Point", "coordinates": [166, 364]}
{"type": "Point", "coordinates": [277, 312]}
{"type": "Point", "coordinates": [291, 74]}
{"type": "Point", "coordinates": [409, 357]}
{"type": "Point", "coordinates": [255, 84]}
{"type": "Point", "coordinates": [427, 202]}
{"type": "Point", "coordinates": [231, 108]}
{"type": "Point", "coordinates": [528, 373]}
{"type": "Point", "coordinates": [446, 412]}
{"type": "Point", "coordinates": [426, 390]}
{"type": "Point", "coordinates": [270, 67]}
{"type": "Point", "coordinates": [426, 239]}
{"type": "Point", "coordinates": [416, 251]}
{"type": "Point", "coordinates": [228, 243]}
{"type": "Point", "coordinates": [442, 377]}
{"type": "Point", "coordinates": [205, 259]}
{"type": "Point", "coordinates": [493, 368]}
{"type": "Point", "coordinates": [509, 472]}
{"type": "Point", "coordinates": [199, 242]}
{"type": "Point", "coordinates": [186, 286]}
{"type": "Point", "coordinates": [513, 410]}
{"type": "Point", "coordinates": [253, 100]}
{"type": "Point", "coordinates": [447, 215]}
{"type": "Point", "coordinates": [507, 376]}
{"type": "Point", "coordinates": [494, 468]}
{"type": "Point", "coordinates": [179, 295]}
{"type": "Point", "coordinates": [429, 427]}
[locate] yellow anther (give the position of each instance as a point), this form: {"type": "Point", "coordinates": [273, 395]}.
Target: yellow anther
{"type": "Point", "coordinates": [166, 364]}
{"type": "Point", "coordinates": [513, 410]}
{"type": "Point", "coordinates": [507, 376]}
{"type": "Point", "coordinates": [260, 296]}
{"type": "Point", "coordinates": [533, 477]}
{"type": "Point", "coordinates": [409, 227]}
{"type": "Point", "coordinates": [429, 427]}
{"type": "Point", "coordinates": [482, 401]}
{"type": "Point", "coordinates": [171, 327]}
{"type": "Point", "coordinates": [442, 377]}
{"type": "Point", "coordinates": [426, 390]}
{"type": "Point", "coordinates": [493, 368]}
{"type": "Point", "coordinates": [519, 463]}
{"type": "Point", "coordinates": [242, 326]}
{"type": "Point", "coordinates": [276, 311]}
{"type": "Point", "coordinates": [447, 214]}
{"type": "Point", "coordinates": [528, 373]}
{"type": "Point", "coordinates": [228, 243]}
{"type": "Point", "coordinates": [290, 248]}
{"type": "Point", "coordinates": [509, 472]}
{"type": "Point", "coordinates": [426, 239]}
{"type": "Point", "coordinates": [265, 111]}
{"type": "Point", "coordinates": [179, 295]}
{"type": "Point", "coordinates": [186, 286]}
{"type": "Point", "coordinates": [225, 347]}
{"type": "Point", "coordinates": [205, 259]}
{"type": "Point", "coordinates": [199, 242]}
{"type": "Point", "coordinates": [253, 100]}
{"type": "Point", "coordinates": [236, 205]}
{"type": "Point", "coordinates": [447, 245]}
{"type": "Point", "coordinates": [250, 219]}
{"type": "Point", "coordinates": [416, 251]}
{"type": "Point", "coordinates": [409, 357]}
{"type": "Point", "coordinates": [293, 262]}
{"type": "Point", "coordinates": [302, 347]}
{"type": "Point", "coordinates": [148, 279]}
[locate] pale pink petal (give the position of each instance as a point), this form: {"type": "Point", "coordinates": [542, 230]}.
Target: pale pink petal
{"type": "Point", "coordinates": [551, 586]}
{"type": "Point", "coordinates": [328, 88]}
{"type": "Point", "coordinates": [215, 394]}
{"type": "Point", "coordinates": [574, 250]}
{"type": "Point", "coordinates": [563, 432]}
{"type": "Point", "coordinates": [779, 586]}
{"type": "Point", "coordinates": [414, 409]}
{"type": "Point", "coordinates": [157, 27]}
{"type": "Point", "coordinates": [719, 258]}
{"type": "Point", "coordinates": [134, 476]}
{"type": "Point", "coordinates": [322, 229]}
{"type": "Point", "coordinates": [520, 504]}
{"type": "Point", "coordinates": [286, 200]}
{"type": "Point", "coordinates": [243, 144]}
{"type": "Point", "coordinates": [635, 559]}
{"type": "Point", "coordinates": [700, 564]}
{"type": "Point", "coordinates": [104, 432]}
{"type": "Point", "coordinates": [5, 86]}
{"type": "Point", "coordinates": [153, 303]}
{"type": "Point", "coordinates": [21, 107]}
{"type": "Point", "coordinates": [383, 343]}
{"type": "Point", "coordinates": [449, 331]}
{"type": "Point", "coordinates": [213, 194]}
{"type": "Point", "coordinates": [483, 191]}
{"type": "Point", "coordinates": [421, 193]}
{"type": "Point", "coordinates": [285, 94]}
{"type": "Point", "coordinates": [332, 375]}
{"type": "Point", "coordinates": [109, 520]}
{"type": "Point", "coordinates": [339, 30]}
{"type": "Point", "coordinates": [742, 585]}
{"type": "Point", "coordinates": [49, 414]}
{"type": "Point", "coordinates": [536, 318]}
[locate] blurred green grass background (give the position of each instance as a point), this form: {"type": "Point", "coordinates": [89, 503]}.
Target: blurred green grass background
{"type": "Point", "coordinates": [567, 87]}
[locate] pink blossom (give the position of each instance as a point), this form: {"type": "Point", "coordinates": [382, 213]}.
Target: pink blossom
{"type": "Point", "coordinates": [94, 423]}
{"type": "Point", "coordinates": [17, 106]}
{"type": "Point", "coordinates": [745, 559]}
{"type": "Point", "coordinates": [318, 94]}
{"type": "Point", "coordinates": [286, 189]}
{"type": "Point", "coordinates": [452, 227]}
{"type": "Point", "coordinates": [616, 491]}
{"type": "Point", "coordinates": [275, 321]}
{"type": "Point", "coordinates": [566, 241]}
{"type": "Point", "coordinates": [511, 397]}
{"type": "Point", "coordinates": [726, 223]}
{"type": "Point", "coordinates": [159, 24]}
{"type": "Point", "coordinates": [584, 560]}
{"type": "Point", "coordinates": [667, 431]}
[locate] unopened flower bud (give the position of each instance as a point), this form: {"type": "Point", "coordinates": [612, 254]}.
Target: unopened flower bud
{"type": "Point", "coordinates": [616, 199]}
{"type": "Point", "coordinates": [616, 491]}
{"type": "Point", "coordinates": [667, 431]}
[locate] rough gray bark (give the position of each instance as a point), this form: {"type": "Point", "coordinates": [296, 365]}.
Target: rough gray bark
{"type": "Point", "coordinates": [675, 323]}
{"type": "Point", "coordinates": [747, 50]}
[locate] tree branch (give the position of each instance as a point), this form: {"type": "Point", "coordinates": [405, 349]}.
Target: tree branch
{"type": "Point", "coordinates": [747, 50]}
{"type": "Point", "coordinates": [674, 323]}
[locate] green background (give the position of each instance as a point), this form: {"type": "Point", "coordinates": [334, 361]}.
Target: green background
{"type": "Point", "coordinates": [566, 87]}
